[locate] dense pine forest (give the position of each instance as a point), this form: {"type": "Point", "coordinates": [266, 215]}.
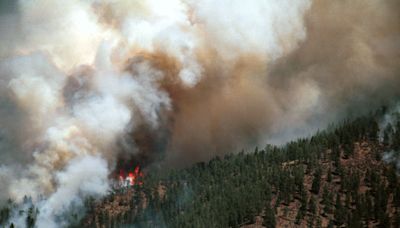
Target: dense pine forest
{"type": "Point", "coordinates": [344, 176]}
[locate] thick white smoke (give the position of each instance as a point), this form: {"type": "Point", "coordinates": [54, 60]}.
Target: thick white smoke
{"type": "Point", "coordinates": [76, 77]}
{"type": "Point", "coordinates": [268, 28]}
{"type": "Point", "coordinates": [82, 177]}
{"type": "Point", "coordinates": [85, 176]}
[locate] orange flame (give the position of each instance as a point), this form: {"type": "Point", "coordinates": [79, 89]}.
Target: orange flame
{"type": "Point", "coordinates": [132, 178]}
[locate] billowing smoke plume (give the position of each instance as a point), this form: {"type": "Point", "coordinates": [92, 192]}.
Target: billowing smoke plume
{"type": "Point", "coordinates": [347, 64]}
{"type": "Point", "coordinates": [86, 86]}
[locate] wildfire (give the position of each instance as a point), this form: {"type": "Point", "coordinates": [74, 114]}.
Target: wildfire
{"type": "Point", "coordinates": [133, 178]}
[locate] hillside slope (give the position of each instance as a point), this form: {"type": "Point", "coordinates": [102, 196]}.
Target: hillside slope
{"type": "Point", "coordinates": [335, 178]}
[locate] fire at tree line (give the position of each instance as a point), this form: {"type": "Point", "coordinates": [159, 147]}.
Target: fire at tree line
{"type": "Point", "coordinates": [339, 177]}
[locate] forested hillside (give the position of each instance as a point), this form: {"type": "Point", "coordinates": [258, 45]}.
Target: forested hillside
{"type": "Point", "coordinates": [336, 178]}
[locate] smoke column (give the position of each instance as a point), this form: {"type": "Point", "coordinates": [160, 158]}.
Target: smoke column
{"type": "Point", "coordinates": [85, 85]}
